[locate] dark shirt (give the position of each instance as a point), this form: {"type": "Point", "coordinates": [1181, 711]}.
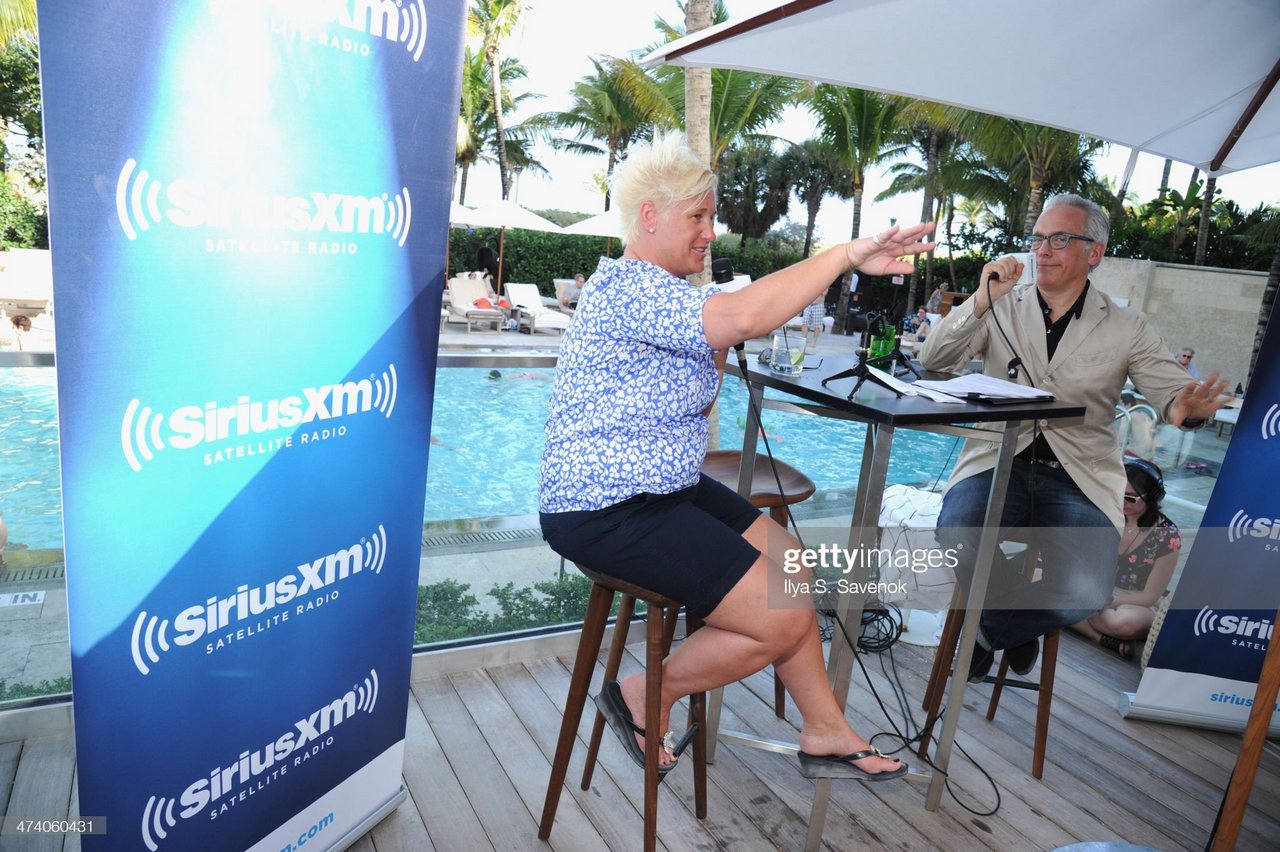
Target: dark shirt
{"type": "Point", "coordinates": [1053, 331]}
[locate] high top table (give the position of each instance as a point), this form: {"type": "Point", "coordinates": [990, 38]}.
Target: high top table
{"type": "Point", "coordinates": [884, 413]}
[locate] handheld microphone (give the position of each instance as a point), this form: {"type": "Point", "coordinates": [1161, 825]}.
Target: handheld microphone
{"type": "Point", "coordinates": [722, 273]}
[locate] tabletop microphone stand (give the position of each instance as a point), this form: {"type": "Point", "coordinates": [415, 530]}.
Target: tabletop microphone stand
{"type": "Point", "coordinates": [861, 370]}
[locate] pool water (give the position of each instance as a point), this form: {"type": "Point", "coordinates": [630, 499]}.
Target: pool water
{"type": "Point", "coordinates": [30, 493]}
{"type": "Point", "coordinates": [487, 439]}
{"type": "Point", "coordinates": [486, 443]}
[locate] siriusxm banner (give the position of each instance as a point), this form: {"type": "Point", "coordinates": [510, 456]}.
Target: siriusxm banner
{"type": "Point", "coordinates": [248, 207]}
{"type": "Point", "coordinates": [1205, 664]}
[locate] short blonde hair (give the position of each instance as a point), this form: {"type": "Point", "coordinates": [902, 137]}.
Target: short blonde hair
{"type": "Point", "coordinates": [666, 172]}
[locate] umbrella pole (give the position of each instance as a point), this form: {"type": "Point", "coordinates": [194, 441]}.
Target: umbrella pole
{"type": "Point", "coordinates": [502, 242]}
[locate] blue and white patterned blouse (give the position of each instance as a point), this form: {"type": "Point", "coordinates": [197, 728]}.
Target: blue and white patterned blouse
{"type": "Point", "coordinates": [634, 376]}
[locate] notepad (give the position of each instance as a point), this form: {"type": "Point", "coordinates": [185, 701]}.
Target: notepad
{"type": "Point", "coordinates": [976, 387]}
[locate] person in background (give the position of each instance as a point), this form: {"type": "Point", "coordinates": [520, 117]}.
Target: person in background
{"type": "Point", "coordinates": [933, 304]}
{"type": "Point", "coordinates": [1149, 546]}
{"type": "Point", "coordinates": [627, 430]}
{"type": "Point", "coordinates": [569, 298]}
{"type": "Point", "coordinates": [811, 319]}
{"type": "Point", "coordinates": [1067, 337]}
{"type": "Point", "coordinates": [487, 263]}
{"type": "Point", "coordinates": [916, 326]}
{"type": "Point", "coordinates": [1184, 358]}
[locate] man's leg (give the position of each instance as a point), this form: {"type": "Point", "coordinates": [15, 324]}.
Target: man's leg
{"type": "Point", "coordinates": [959, 530]}
{"type": "Point", "coordinates": [1077, 545]}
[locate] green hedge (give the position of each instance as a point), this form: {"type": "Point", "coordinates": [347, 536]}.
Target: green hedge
{"type": "Point", "coordinates": [535, 257]}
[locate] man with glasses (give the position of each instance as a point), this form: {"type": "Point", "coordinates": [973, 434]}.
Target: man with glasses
{"type": "Point", "coordinates": [1065, 336]}
{"type": "Point", "coordinates": [1184, 358]}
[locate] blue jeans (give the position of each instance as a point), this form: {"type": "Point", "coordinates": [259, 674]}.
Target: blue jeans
{"type": "Point", "coordinates": [1076, 541]}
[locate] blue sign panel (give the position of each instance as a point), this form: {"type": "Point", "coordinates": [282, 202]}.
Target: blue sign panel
{"type": "Point", "coordinates": [249, 204]}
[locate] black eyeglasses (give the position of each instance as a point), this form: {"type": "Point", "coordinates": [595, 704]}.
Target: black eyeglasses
{"type": "Point", "coordinates": [1057, 241]}
{"type": "Point", "coordinates": [1133, 498]}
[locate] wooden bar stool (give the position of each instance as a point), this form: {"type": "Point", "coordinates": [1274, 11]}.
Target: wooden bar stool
{"type": "Point", "coordinates": [723, 466]}
{"type": "Point", "coordinates": [947, 645]}
{"type": "Point", "coordinates": [662, 616]}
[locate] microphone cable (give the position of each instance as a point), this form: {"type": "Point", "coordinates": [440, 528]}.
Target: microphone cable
{"type": "Point", "coordinates": [882, 621]}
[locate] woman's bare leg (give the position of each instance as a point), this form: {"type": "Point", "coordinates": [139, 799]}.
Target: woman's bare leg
{"type": "Point", "coordinates": [743, 635]}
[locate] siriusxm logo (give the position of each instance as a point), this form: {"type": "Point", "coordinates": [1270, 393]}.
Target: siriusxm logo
{"type": "Point", "coordinates": [254, 769]}
{"type": "Point", "coordinates": [1271, 422]}
{"type": "Point", "coordinates": [143, 430]}
{"type": "Point", "coordinates": [1243, 526]}
{"type": "Point", "coordinates": [247, 611]}
{"type": "Point", "coordinates": [396, 22]}
{"type": "Point", "coordinates": [340, 24]}
{"type": "Point", "coordinates": [1209, 623]}
{"type": "Point", "coordinates": [143, 201]}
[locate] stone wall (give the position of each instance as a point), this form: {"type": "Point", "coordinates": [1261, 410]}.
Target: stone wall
{"type": "Point", "coordinates": [1214, 311]}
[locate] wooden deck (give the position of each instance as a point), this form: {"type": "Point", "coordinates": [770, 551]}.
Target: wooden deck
{"type": "Point", "coordinates": [480, 744]}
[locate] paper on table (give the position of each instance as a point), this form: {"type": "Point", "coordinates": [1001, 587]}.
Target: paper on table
{"type": "Point", "coordinates": [912, 389]}
{"type": "Point", "coordinates": [977, 384]}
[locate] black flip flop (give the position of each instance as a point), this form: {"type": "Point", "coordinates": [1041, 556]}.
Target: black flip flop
{"type": "Point", "coordinates": [615, 711]}
{"type": "Point", "coordinates": [1122, 647]}
{"type": "Point", "coordinates": [841, 766]}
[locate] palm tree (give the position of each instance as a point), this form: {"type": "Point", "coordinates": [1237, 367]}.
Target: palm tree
{"type": "Point", "coordinates": [862, 129]}
{"type": "Point", "coordinates": [604, 116]}
{"type": "Point", "coordinates": [17, 17]}
{"type": "Point", "coordinates": [477, 135]}
{"type": "Point", "coordinates": [493, 21]}
{"type": "Point", "coordinates": [814, 171]}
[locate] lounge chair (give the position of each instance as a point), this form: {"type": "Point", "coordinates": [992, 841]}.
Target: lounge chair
{"type": "Point", "coordinates": [463, 294]}
{"type": "Point", "coordinates": [532, 312]}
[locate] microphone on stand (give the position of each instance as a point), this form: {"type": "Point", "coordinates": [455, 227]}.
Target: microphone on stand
{"type": "Point", "coordinates": [722, 273]}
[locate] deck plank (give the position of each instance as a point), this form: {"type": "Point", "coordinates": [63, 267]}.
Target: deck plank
{"type": "Point", "coordinates": [42, 786]}
{"type": "Point", "coordinates": [436, 791]}
{"type": "Point", "coordinates": [479, 746]}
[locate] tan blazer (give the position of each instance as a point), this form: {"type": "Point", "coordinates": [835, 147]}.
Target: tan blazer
{"type": "Point", "coordinates": [1105, 346]}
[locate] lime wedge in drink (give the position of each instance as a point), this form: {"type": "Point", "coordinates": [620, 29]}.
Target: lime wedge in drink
{"type": "Point", "coordinates": [797, 357]}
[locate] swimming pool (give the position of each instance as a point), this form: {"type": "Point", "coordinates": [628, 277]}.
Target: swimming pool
{"type": "Point", "coordinates": [487, 438]}
{"type": "Point", "coordinates": [30, 494]}
{"type": "Point", "coordinates": [488, 435]}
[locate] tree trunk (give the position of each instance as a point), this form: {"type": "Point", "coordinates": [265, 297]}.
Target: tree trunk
{"type": "Point", "coordinates": [842, 306]}
{"type": "Point", "coordinates": [1264, 313]}
{"type": "Point", "coordinates": [608, 191]}
{"type": "Point", "coordinates": [810, 224]}
{"type": "Point", "coordinates": [494, 57]}
{"type": "Point", "coordinates": [1180, 227]}
{"type": "Point", "coordinates": [951, 262]}
{"type": "Point", "coordinates": [462, 184]}
{"type": "Point", "coordinates": [914, 294]}
{"type": "Point", "coordinates": [1164, 179]}
{"type": "Point", "coordinates": [699, 15]}
{"type": "Point", "coordinates": [1035, 202]}
{"type": "Point", "coordinates": [1206, 213]}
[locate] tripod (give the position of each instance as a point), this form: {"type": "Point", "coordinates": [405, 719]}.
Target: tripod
{"type": "Point", "coordinates": [861, 368]}
{"type": "Point", "coordinates": [896, 359]}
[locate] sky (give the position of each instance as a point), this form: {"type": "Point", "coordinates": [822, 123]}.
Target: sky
{"type": "Point", "coordinates": [558, 37]}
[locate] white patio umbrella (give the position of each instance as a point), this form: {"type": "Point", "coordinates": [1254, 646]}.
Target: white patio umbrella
{"type": "Point", "coordinates": [1110, 70]}
{"type": "Point", "coordinates": [607, 224]}
{"type": "Point", "coordinates": [507, 214]}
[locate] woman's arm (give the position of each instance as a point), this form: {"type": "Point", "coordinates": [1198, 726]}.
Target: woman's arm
{"type": "Point", "coordinates": [765, 305]}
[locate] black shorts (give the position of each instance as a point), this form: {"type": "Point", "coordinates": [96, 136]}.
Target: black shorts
{"type": "Point", "coordinates": [687, 545]}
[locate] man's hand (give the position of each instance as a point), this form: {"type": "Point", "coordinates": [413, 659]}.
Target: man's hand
{"type": "Point", "coordinates": [1008, 270]}
{"type": "Point", "coordinates": [1199, 400]}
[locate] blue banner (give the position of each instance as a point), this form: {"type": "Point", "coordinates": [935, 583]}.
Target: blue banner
{"type": "Point", "coordinates": [1205, 664]}
{"type": "Point", "coordinates": [249, 206]}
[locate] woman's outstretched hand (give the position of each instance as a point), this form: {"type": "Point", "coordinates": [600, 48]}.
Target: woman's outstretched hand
{"type": "Point", "coordinates": [878, 254]}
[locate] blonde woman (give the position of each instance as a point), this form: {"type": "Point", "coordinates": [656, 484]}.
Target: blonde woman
{"type": "Point", "coordinates": [627, 431]}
